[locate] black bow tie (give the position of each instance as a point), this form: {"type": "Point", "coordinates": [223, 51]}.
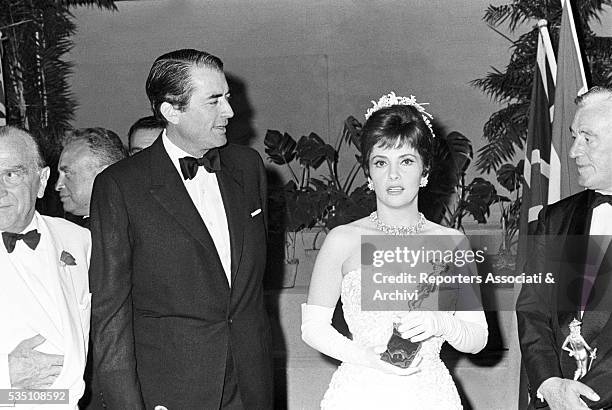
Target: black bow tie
{"type": "Point", "coordinates": [31, 238]}
{"type": "Point", "coordinates": [210, 161]}
{"type": "Point", "coordinates": [599, 199]}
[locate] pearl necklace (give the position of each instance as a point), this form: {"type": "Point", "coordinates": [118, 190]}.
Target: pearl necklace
{"type": "Point", "coordinates": [398, 230]}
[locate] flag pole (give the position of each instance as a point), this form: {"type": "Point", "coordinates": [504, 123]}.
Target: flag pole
{"type": "Point", "coordinates": [550, 52]}
{"type": "Point", "coordinates": [571, 81]}
{"type": "Point", "coordinates": [2, 94]}
{"type": "Point", "coordinates": [572, 26]}
{"type": "Point", "coordinates": [536, 168]}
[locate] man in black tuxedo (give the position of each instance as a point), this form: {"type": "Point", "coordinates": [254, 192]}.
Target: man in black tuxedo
{"type": "Point", "coordinates": [573, 243]}
{"type": "Point", "coordinates": [179, 247]}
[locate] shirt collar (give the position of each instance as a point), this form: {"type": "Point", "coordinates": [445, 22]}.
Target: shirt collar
{"type": "Point", "coordinates": [175, 153]}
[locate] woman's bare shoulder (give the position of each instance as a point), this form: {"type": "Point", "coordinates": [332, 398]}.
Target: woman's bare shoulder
{"type": "Point", "coordinates": [433, 228]}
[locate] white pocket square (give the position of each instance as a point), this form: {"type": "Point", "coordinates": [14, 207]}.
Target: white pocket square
{"type": "Point", "coordinates": [255, 212]}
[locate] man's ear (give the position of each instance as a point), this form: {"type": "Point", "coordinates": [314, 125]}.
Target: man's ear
{"type": "Point", "coordinates": [170, 113]}
{"type": "Point", "coordinates": [43, 178]}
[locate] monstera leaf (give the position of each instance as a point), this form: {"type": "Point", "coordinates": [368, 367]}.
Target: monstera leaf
{"type": "Point", "coordinates": [481, 194]}
{"type": "Point", "coordinates": [510, 176]}
{"type": "Point", "coordinates": [461, 151]}
{"type": "Point", "coordinates": [351, 132]}
{"type": "Point", "coordinates": [279, 147]}
{"type": "Point", "coordinates": [302, 206]}
{"type": "Point", "coordinates": [361, 202]}
{"type": "Point", "coordinates": [312, 151]}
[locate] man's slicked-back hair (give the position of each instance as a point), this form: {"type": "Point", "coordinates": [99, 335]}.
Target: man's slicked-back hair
{"type": "Point", "coordinates": [170, 78]}
{"type": "Point", "coordinates": [30, 142]}
{"type": "Point", "coordinates": [106, 147]}
{"type": "Point", "coordinates": [595, 94]}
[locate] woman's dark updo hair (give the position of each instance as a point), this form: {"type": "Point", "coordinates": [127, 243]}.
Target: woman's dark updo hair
{"type": "Point", "coordinates": [397, 126]}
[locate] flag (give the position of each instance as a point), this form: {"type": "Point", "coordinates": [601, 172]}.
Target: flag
{"type": "Point", "coordinates": [550, 175]}
{"type": "Point", "coordinates": [536, 169]}
{"type": "Point", "coordinates": [571, 81]}
{"type": "Point", "coordinates": [2, 95]}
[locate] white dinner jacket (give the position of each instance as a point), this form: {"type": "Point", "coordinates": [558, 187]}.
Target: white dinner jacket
{"type": "Point", "coordinates": [24, 311]}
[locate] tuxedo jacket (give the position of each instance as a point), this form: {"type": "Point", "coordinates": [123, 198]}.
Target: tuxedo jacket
{"type": "Point", "coordinates": [164, 318]}
{"type": "Point", "coordinates": [28, 304]}
{"type": "Point", "coordinates": [544, 311]}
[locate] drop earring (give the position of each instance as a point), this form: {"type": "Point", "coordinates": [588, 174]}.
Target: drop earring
{"type": "Point", "coordinates": [370, 185]}
{"type": "Point", "coordinates": [424, 181]}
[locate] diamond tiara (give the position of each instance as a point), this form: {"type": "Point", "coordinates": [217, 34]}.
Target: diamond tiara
{"type": "Point", "coordinates": [391, 99]}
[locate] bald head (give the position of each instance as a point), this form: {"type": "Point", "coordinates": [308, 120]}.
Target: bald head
{"type": "Point", "coordinates": [30, 147]}
{"type": "Point", "coordinates": [23, 178]}
{"type": "Point", "coordinates": [86, 153]}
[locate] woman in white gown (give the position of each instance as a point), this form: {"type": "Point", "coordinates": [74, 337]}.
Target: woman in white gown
{"type": "Point", "coordinates": [396, 147]}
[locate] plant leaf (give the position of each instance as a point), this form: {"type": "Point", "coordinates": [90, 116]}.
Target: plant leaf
{"type": "Point", "coordinates": [509, 176]}
{"type": "Point", "coordinates": [312, 151]}
{"type": "Point", "coordinates": [279, 147]}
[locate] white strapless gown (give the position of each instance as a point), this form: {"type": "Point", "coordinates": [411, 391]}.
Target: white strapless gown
{"type": "Point", "coordinates": [359, 387]}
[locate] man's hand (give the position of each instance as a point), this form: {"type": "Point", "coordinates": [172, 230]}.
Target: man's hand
{"type": "Point", "coordinates": [564, 394]}
{"type": "Point", "coordinates": [30, 369]}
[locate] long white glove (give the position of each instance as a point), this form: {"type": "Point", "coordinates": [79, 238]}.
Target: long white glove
{"type": "Point", "coordinates": [319, 334]}
{"type": "Point", "coordinates": [465, 331]}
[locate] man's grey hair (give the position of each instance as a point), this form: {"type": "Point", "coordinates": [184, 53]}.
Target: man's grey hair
{"type": "Point", "coordinates": [30, 143]}
{"type": "Point", "coordinates": [105, 146]}
{"type": "Point", "coordinates": [597, 94]}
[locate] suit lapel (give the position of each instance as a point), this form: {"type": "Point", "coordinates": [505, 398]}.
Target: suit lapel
{"type": "Point", "coordinates": [599, 306]}
{"type": "Point", "coordinates": [69, 311]}
{"type": "Point", "coordinates": [598, 309]}
{"type": "Point", "coordinates": [230, 185]}
{"type": "Point", "coordinates": [168, 189]}
{"type": "Point", "coordinates": [40, 309]}
{"type": "Point", "coordinates": [580, 220]}
{"type": "Point", "coordinates": [573, 258]}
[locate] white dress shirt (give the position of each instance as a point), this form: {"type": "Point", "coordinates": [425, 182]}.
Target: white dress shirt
{"type": "Point", "coordinates": [601, 221]}
{"type": "Point", "coordinates": [206, 196]}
